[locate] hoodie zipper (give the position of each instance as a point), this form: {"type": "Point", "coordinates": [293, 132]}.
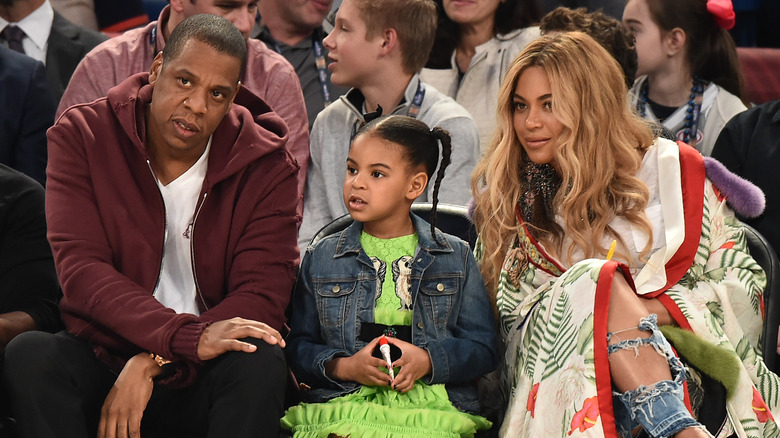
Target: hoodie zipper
{"type": "Point", "coordinates": [165, 234]}
{"type": "Point", "coordinates": [192, 251]}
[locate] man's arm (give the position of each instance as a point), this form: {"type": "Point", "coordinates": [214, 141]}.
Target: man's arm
{"type": "Point", "coordinates": [284, 95]}
{"type": "Point", "coordinates": [28, 281]}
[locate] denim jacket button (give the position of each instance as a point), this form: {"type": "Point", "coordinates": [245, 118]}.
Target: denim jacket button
{"type": "Point", "coordinates": [419, 325]}
{"type": "Point", "coordinates": [336, 289]}
{"type": "Point", "coordinates": [439, 287]}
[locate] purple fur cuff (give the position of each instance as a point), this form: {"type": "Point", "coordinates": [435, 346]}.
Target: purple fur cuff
{"type": "Point", "coordinates": [741, 195]}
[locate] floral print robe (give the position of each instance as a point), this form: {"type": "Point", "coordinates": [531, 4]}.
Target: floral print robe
{"type": "Point", "coordinates": [553, 317]}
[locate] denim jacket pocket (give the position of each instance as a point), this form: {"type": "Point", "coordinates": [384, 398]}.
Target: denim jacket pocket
{"type": "Point", "coordinates": [334, 299]}
{"type": "Point", "coordinates": [438, 296]}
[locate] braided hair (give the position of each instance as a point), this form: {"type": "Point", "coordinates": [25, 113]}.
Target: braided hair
{"type": "Point", "coordinates": [421, 147]}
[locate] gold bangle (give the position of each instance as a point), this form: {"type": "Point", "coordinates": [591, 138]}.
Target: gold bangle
{"type": "Point", "coordinates": [159, 359]}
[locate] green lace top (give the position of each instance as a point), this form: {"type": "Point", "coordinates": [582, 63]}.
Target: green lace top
{"type": "Point", "coordinates": [392, 259]}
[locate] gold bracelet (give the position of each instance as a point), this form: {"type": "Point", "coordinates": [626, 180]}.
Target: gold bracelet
{"type": "Point", "coordinates": [159, 359]}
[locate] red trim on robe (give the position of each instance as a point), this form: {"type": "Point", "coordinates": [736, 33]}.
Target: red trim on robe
{"type": "Point", "coordinates": [600, 354]}
{"type": "Point", "coordinates": [693, 176]}
{"type": "Point", "coordinates": [538, 246]}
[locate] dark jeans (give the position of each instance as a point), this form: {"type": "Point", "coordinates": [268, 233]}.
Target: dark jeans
{"type": "Point", "coordinates": [57, 388]}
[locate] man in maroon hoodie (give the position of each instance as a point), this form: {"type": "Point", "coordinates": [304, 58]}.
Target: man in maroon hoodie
{"type": "Point", "coordinates": [172, 218]}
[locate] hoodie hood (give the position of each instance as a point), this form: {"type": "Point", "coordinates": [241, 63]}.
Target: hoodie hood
{"type": "Point", "coordinates": [249, 131]}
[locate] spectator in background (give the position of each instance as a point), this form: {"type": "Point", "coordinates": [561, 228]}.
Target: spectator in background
{"type": "Point", "coordinates": [613, 8]}
{"type": "Point", "coordinates": [749, 145]}
{"type": "Point", "coordinates": [26, 112]}
{"type": "Point", "coordinates": [29, 290]}
{"type": "Point", "coordinates": [605, 29]}
{"type": "Point", "coordinates": [689, 71]}
{"type": "Point", "coordinates": [266, 74]}
{"type": "Point", "coordinates": [378, 47]}
{"type": "Point", "coordinates": [294, 29]}
{"type": "Point", "coordinates": [48, 37]}
{"type": "Point", "coordinates": [474, 46]}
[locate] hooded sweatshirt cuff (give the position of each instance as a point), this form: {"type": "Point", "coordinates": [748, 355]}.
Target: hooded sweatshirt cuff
{"type": "Point", "coordinates": [185, 341]}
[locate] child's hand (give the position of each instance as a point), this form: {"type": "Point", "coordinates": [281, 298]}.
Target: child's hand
{"type": "Point", "coordinates": [414, 362]}
{"type": "Point", "coordinates": [362, 367]}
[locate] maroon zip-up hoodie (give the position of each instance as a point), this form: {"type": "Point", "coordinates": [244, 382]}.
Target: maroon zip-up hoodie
{"type": "Point", "coordinates": [106, 225]}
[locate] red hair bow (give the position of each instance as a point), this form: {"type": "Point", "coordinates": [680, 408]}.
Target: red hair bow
{"type": "Point", "coordinates": [723, 11]}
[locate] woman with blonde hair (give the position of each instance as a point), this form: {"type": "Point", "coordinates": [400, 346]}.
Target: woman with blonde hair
{"type": "Point", "coordinates": [575, 190]}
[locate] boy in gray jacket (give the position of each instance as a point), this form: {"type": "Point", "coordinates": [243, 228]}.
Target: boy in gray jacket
{"type": "Point", "coordinates": [378, 47]}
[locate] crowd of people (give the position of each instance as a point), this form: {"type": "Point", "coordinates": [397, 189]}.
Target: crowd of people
{"type": "Point", "coordinates": [165, 186]}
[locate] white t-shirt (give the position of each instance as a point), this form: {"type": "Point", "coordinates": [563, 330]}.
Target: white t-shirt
{"type": "Point", "coordinates": [176, 288]}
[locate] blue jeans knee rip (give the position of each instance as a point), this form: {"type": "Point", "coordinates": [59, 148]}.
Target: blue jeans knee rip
{"type": "Point", "coordinates": [658, 408]}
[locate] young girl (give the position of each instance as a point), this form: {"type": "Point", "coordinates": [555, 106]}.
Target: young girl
{"type": "Point", "coordinates": [390, 273]}
{"type": "Point", "coordinates": [689, 77]}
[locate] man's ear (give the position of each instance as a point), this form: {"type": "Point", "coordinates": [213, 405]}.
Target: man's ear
{"type": "Point", "coordinates": [389, 41]}
{"type": "Point", "coordinates": [418, 184]}
{"type": "Point", "coordinates": [675, 41]}
{"type": "Point", "coordinates": [156, 68]}
{"type": "Point", "coordinates": [177, 5]}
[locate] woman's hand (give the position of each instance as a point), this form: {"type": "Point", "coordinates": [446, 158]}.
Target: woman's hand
{"type": "Point", "coordinates": [362, 367]}
{"type": "Point", "coordinates": [414, 362]}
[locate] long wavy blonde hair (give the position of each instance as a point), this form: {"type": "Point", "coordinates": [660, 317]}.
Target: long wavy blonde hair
{"type": "Point", "coordinates": [600, 150]}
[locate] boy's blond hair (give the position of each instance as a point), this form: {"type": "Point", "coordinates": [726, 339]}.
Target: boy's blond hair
{"type": "Point", "coordinates": [413, 20]}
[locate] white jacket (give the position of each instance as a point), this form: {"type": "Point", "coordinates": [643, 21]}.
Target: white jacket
{"type": "Point", "coordinates": [478, 90]}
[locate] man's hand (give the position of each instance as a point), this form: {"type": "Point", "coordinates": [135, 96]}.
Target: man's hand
{"type": "Point", "coordinates": [223, 336]}
{"type": "Point", "coordinates": [362, 367]}
{"type": "Point", "coordinates": [414, 362]}
{"type": "Point", "coordinates": [124, 406]}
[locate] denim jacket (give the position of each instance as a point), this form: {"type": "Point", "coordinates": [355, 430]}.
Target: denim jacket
{"type": "Point", "coordinates": [452, 318]}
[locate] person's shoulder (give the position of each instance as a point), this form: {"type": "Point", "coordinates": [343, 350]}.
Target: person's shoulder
{"type": "Point", "coordinates": [438, 107]}
{"type": "Point", "coordinates": [334, 117]}
{"type": "Point", "coordinates": [522, 35]}
{"type": "Point", "coordinates": [728, 103]}
{"type": "Point", "coordinates": [259, 52]}
{"type": "Point", "coordinates": [13, 182]}
{"type": "Point", "coordinates": [19, 66]}
{"type": "Point", "coordinates": [121, 46]}
{"type": "Point", "coordinates": [62, 27]}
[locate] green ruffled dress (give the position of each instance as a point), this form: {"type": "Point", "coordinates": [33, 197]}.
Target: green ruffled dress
{"type": "Point", "coordinates": [380, 411]}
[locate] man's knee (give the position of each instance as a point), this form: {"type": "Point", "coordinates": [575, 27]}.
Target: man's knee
{"type": "Point", "coordinates": [26, 356]}
{"type": "Point", "coordinates": [265, 367]}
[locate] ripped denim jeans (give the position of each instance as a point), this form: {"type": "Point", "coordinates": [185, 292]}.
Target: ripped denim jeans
{"type": "Point", "coordinates": [658, 408]}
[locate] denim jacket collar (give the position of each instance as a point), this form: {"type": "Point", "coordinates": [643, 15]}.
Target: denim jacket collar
{"type": "Point", "coordinates": [349, 239]}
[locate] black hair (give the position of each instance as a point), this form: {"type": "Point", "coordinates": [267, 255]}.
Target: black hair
{"type": "Point", "coordinates": [420, 145]}
{"type": "Point", "coordinates": [216, 31]}
{"type": "Point", "coordinates": [510, 15]}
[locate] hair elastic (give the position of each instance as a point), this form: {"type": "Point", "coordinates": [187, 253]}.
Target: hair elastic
{"type": "Point", "coordinates": [723, 11]}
